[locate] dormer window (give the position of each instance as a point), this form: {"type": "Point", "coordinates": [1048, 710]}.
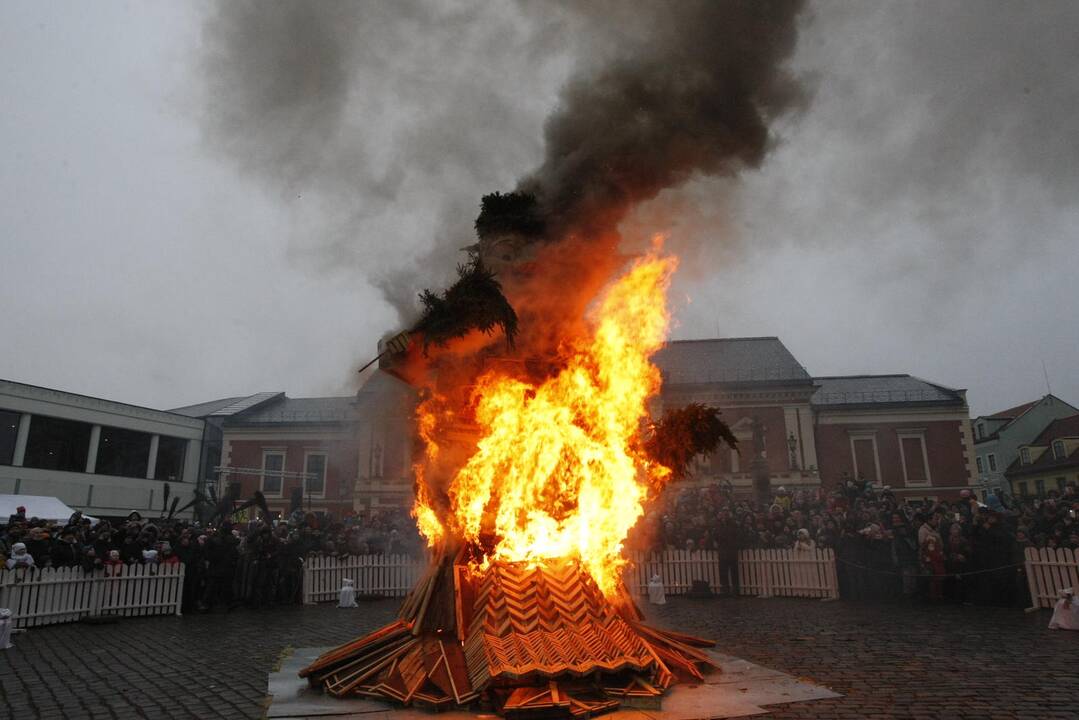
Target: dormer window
{"type": "Point", "coordinates": [981, 430]}
{"type": "Point", "coordinates": [1058, 450]}
{"type": "Point", "coordinates": [1024, 456]}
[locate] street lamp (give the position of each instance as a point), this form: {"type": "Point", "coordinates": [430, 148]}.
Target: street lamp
{"type": "Point", "coordinates": [792, 445]}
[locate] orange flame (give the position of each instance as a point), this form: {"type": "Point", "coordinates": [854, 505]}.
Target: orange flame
{"type": "Point", "coordinates": [559, 470]}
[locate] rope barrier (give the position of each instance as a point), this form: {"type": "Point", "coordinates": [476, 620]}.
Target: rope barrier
{"type": "Point", "coordinates": [928, 575]}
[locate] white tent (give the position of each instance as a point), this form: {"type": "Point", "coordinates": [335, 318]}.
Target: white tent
{"type": "Point", "coordinates": [45, 507]}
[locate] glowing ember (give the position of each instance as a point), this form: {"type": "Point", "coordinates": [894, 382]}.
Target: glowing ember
{"type": "Point", "coordinates": [559, 470]}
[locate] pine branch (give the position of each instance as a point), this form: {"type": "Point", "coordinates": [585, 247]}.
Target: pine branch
{"type": "Point", "coordinates": [683, 434]}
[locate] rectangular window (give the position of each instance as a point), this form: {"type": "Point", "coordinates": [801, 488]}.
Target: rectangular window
{"type": "Point", "coordinates": [315, 468]}
{"type": "Point", "coordinates": [1060, 484]}
{"type": "Point", "coordinates": [1039, 486]}
{"type": "Point", "coordinates": [865, 458]}
{"type": "Point", "coordinates": [1024, 456]}
{"type": "Point", "coordinates": [1058, 450]}
{"type": "Point", "coordinates": [170, 458]}
{"type": "Point", "coordinates": [273, 463]}
{"type": "Point", "coordinates": [981, 430]}
{"type": "Point", "coordinates": [1024, 489]}
{"type": "Point", "coordinates": [9, 430]}
{"type": "Point", "coordinates": [978, 460]}
{"type": "Point", "coordinates": [992, 462]}
{"type": "Point", "coordinates": [122, 452]}
{"type": "Point", "coordinates": [914, 459]}
{"type": "Point", "coordinates": [55, 444]}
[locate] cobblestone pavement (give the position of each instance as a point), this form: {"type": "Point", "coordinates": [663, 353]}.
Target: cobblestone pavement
{"type": "Point", "coordinates": [888, 661]}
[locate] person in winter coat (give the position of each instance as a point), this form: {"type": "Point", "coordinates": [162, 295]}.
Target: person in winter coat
{"type": "Point", "coordinates": [956, 562]}
{"type": "Point", "coordinates": [38, 545]}
{"type": "Point", "coordinates": [933, 564]}
{"type": "Point", "coordinates": [66, 553]}
{"type": "Point", "coordinates": [166, 556]}
{"type": "Point", "coordinates": [19, 557]}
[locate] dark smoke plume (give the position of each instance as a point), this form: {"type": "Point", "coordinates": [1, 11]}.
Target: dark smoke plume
{"type": "Point", "coordinates": [675, 90]}
{"type": "Point", "coordinates": [693, 94]}
{"type": "Point", "coordinates": [347, 105]}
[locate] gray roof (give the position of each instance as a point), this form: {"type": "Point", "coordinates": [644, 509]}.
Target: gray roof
{"type": "Point", "coordinates": [201, 410]}
{"type": "Point", "coordinates": [226, 407]}
{"type": "Point", "coordinates": [298, 410]}
{"type": "Point", "coordinates": [729, 360]}
{"type": "Point", "coordinates": [882, 390]}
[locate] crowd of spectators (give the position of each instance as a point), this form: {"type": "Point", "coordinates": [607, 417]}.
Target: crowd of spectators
{"type": "Point", "coordinates": [233, 562]}
{"type": "Point", "coordinates": [886, 546]}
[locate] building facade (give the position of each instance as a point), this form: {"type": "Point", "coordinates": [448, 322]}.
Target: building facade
{"type": "Point", "coordinates": [894, 430]}
{"type": "Point", "coordinates": [329, 454]}
{"type": "Point", "coordinates": [755, 382]}
{"type": "Point", "coordinates": [102, 457]}
{"type": "Point", "coordinates": [998, 437]}
{"type": "Point", "coordinates": [1050, 461]}
{"type": "Point", "coordinates": [795, 431]}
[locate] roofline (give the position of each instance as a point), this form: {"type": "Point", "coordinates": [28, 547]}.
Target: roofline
{"type": "Point", "coordinates": [726, 339]}
{"type": "Point", "coordinates": [868, 375]}
{"type": "Point", "coordinates": [801, 382]}
{"type": "Point", "coordinates": [281, 423]}
{"type": "Point", "coordinates": [1031, 404]}
{"type": "Point", "coordinates": [938, 385]}
{"type": "Point", "coordinates": [819, 407]}
{"type": "Point", "coordinates": [100, 399]}
{"type": "Point", "coordinates": [1067, 464]}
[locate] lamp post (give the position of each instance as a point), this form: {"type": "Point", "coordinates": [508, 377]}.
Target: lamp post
{"type": "Point", "coordinates": [792, 445]}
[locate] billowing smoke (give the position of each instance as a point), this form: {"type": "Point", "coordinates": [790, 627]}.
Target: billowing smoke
{"type": "Point", "coordinates": [673, 90]}
{"type": "Point", "coordinates": [694, 93]}
{"type": "Point", "coordinates": [375, 127]}
{"type": "Point", "coordinates": [381, 124]}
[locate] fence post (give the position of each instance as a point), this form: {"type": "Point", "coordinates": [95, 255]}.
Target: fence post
{"type": "Point", "coordinates": [766, 574]}
{"type": "Point", "coordinates": [307, 580]}
{"type": "Point", "coordinates": [1032, 583]}
{"type": "Point", "coordinates": [178, 589]}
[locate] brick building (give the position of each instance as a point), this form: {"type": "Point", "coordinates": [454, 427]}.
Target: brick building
{"type": "Point", "coordinates": [894, 430]}
{"type": "Point", "coordinates": [338, 453]}
{"type": "Point", "coordinates": [354, 452]}
{"type": "Point", "coordinates": [753, 380]}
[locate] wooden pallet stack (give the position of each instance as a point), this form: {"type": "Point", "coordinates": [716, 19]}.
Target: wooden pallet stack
{"type": "Point", "coordinates": [527, 641]}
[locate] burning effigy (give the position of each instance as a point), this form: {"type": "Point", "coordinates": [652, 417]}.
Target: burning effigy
{"type": "Point", "coordinates": [523, 609]}
{"type": "Point", "coordinates": [538, 446]}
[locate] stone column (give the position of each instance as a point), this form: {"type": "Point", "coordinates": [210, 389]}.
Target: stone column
{"type": "Point", "coordinates": [20, 440]}
{"type": "Point", "coordinates": [151, 462]}
{"type": "Point", "coordinates": [91, 453]}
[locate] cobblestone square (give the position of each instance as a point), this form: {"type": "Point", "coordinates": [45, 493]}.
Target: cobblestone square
{"type": "Point", "coordinates": [888, 661]}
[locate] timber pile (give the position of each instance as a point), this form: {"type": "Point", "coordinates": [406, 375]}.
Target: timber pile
{"type": "Point", "coordinates": [526, 641]}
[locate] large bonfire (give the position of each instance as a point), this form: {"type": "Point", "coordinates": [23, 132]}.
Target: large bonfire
{"type": "Point", "coordinates": [559, 469]}
{"type": "Point", "coordinates": [523, 609]}
{"type": "Point", "coordinates": [537, 454]}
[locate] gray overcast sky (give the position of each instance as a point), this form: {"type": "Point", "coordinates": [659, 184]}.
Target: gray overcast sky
{"type": "Point", "coordinates": [919, 216]}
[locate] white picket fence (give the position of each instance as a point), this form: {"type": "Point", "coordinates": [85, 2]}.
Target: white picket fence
{"type": "Point", "coordinates": [56, 595]}
{"type": "Point", "coordinates": [764, 573]}
{"type": "Point", "coordinates": [1050, 571]}
{"type": "Point", "coordinates": [385, 575]}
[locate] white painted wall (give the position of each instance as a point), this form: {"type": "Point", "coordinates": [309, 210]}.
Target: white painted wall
{"type": "Point", "coordinates": [94, 493]}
